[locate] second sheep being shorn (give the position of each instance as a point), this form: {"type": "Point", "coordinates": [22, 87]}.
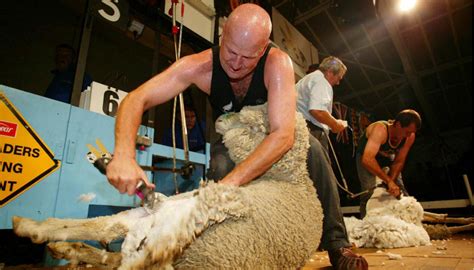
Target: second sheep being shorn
{"type": "Point", "coordinates": [392, 223]}
{"type": "Point", "coordinates": [389, 223]}
{"type": "Point", "coordinates": [274, 222]}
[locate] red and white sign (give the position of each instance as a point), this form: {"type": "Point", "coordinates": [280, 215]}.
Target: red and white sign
{"type": "Point", "coordinates": [8, 129]}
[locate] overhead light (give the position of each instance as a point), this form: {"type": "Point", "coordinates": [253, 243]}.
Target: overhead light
{"type": "Point", "coordinates": [406, 5]}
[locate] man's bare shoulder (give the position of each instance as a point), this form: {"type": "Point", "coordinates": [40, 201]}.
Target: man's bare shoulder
{"type": "Point", "coordinates": [199, 62]}
{"type": "Point", "coordinates": [277, 55]}
{"type": "Point", "coordinates": [278, 62]}
{"type": "Point", "coordinates": [198, 68]}
{"type": "Point", "coordinates": [377, 130]}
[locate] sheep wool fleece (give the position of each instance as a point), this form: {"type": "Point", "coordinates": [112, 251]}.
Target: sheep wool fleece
{"type": "Point", "coordinates": [284, 226]}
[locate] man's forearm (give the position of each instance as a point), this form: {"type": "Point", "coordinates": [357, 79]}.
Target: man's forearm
{"type": "Point", "coordinates": [126, 126]}
{"type": "Point", "coordinates": [272, 148]}
{"type": "Point", "coordinates": [325, 118]}
{"type": "Point", "coordinates": [373, 167]}
{"type": "Point", "coordinates": [396, 168]}
{"type": "Point", "coordinates": [399, 162]}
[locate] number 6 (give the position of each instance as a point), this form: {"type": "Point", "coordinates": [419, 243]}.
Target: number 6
{"type": "Point", "coordinates": [110, 105]}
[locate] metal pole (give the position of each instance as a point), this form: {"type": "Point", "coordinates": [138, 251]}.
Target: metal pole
{"type": "Point", "coordinates": [468, 188]}
{"type": "Point", "coordinates": [82, 59]}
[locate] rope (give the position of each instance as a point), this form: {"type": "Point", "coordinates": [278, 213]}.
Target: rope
{"type": "Point", "coordinates": [345, 187]}
{"type": "Point", "coordinates": [177, 49]}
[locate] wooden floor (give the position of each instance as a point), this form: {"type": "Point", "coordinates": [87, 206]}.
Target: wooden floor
{"type": "Point", "coordinates": [454, 254]}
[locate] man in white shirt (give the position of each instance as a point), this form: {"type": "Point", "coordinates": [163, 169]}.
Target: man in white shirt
{"type": "Point", "coordinates": [314, 101]}
{"type": "Point", "coordinates": [315, 98]}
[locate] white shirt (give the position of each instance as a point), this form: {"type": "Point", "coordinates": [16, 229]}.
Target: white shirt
{"type": "Point", "coordinates": [314, 93]}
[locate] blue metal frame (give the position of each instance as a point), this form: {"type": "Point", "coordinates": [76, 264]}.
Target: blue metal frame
{"type": "Point", "coordinates": [66, 130]}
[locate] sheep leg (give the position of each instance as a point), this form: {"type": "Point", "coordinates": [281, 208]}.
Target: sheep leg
{"type": "Point", "coordinates": [77, 252]}
{"type": "Point", "coordinates": [433, 217]}
{"type": "Point", "coordinates": [457, 229]}
{"type": "Point", "coordinates": [443, 218]}
{"type": "Point", "coordinates": [163, 236]}
{"type": "Point", "coordinates": [159, 240]}
{"type": "Point", "coordinates": [104, 229]}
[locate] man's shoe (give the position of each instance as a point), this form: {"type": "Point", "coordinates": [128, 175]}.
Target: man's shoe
{"type": "Point", "coordinates": [345, 259]}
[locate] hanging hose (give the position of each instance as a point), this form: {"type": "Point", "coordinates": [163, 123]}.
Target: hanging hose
{"type": "Point", "coordinates": [177, 48]}
{"type": "Point", "coordinates": [345, 187]}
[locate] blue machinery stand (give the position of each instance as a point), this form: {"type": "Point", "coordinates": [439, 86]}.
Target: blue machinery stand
{"type": "Point", "coordinates": [66, 130]}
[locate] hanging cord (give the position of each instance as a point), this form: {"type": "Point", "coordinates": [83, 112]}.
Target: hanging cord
{"type": "Point", "coordinates": [345, 187]}
{"type": "Point", "coordinates": [177, 48]}
{"type": "Point", "coordinates": [173, 126]}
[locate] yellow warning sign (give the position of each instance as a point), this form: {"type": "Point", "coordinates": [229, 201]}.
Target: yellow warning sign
{"type": "Point", "coordinates": [24, 158]}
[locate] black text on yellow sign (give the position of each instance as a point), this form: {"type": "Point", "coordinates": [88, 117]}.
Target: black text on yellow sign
{"type": "Point", "coordinates": [24, 158]}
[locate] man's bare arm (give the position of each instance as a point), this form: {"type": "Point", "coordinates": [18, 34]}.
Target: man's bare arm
{"type": "Point", "coordinates": [279, 79]}
{"type": "Point", "coordinates": [123, 172]}
{"type": "Point", "coordinates": [376, 138]}
{"type": "Point", "coordinates": [326, 118]}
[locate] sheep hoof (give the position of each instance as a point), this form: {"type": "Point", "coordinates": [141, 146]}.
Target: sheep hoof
{"type": "Point", "coordinates": [16, 220]}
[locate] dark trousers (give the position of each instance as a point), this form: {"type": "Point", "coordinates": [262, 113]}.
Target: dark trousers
{"type": "Point", "coordinates": [320, 171]}
{"type": "Point", "coordinates": [324, 180]}
{"type": "Point", "coordinates": [319, 134]}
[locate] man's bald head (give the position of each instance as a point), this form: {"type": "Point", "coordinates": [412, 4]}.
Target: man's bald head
{"type": "Point", "coordinates": [249, 25]}
{"type": "Point", "coordinates": [245, 39]}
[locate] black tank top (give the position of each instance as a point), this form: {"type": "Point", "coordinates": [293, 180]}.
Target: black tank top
{"type": "Point", "coordinates": [222, 97]}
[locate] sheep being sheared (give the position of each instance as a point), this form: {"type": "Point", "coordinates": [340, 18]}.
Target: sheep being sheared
{"type": "Point", "coordinates": [389, 222]}
{"type": "Point", "coordinates": [273, 222]}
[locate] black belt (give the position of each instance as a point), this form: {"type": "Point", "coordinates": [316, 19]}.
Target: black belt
{"type": "Point", "coordinates": [313, 127]}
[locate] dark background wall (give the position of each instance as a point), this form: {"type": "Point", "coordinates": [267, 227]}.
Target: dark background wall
{"type": "Point", "coordinates": [31, 29]}
{"type": "Point", "coordinates": [29, 32]}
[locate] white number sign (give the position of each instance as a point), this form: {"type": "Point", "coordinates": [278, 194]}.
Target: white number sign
{"type": "Point", "coordinates": [102, 99]}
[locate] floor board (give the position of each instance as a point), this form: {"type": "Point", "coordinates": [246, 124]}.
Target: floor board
{"type": "Point", "coordinates": [456, 253]}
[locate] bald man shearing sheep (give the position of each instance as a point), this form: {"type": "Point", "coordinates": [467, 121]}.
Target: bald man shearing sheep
{"type": "Point", "coordinates": [243, 71]}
